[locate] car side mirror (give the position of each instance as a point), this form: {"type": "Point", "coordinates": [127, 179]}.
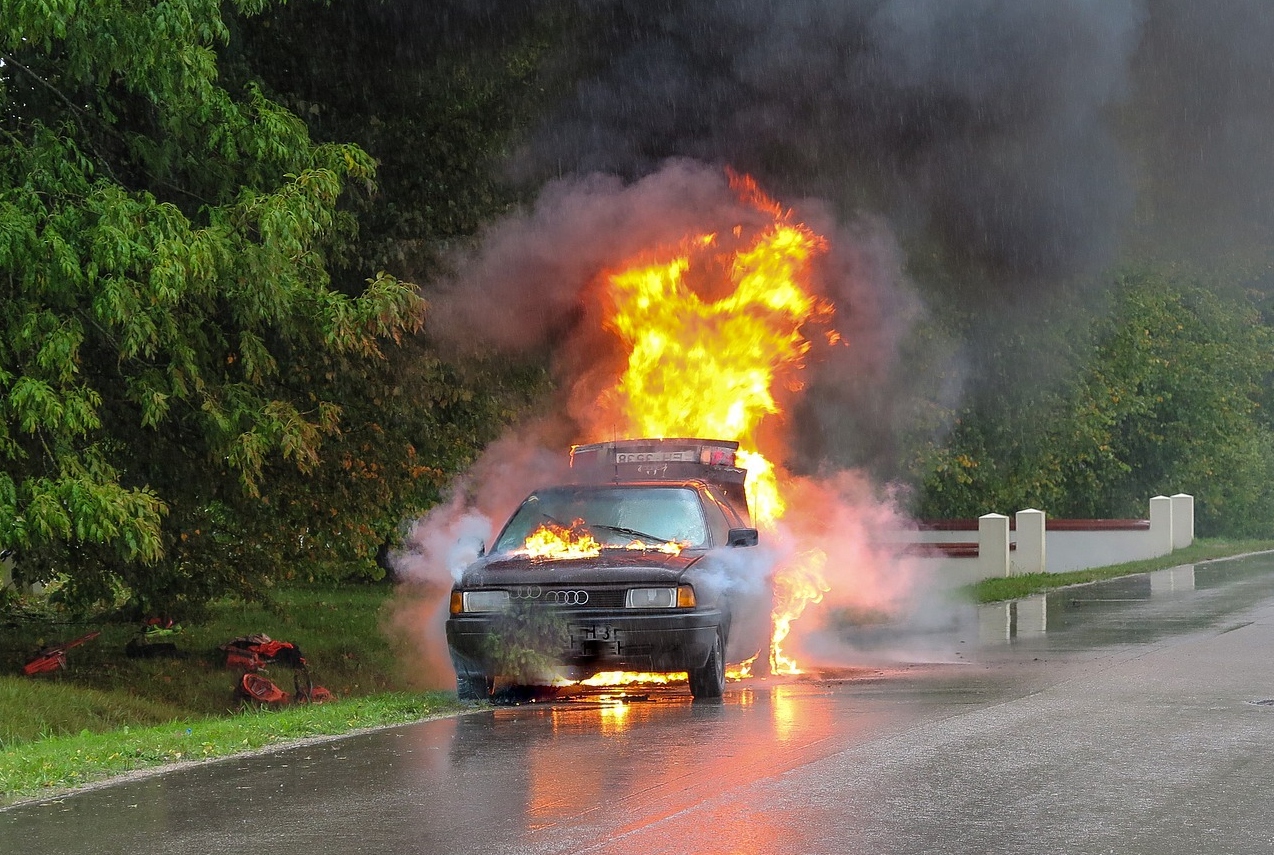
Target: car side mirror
{"type": "Point", "coordinates": [482, 548]}
{"type": "Point", "coordinates": [742, 537]}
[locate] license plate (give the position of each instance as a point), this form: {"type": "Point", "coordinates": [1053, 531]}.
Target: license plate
{"type": "Point", "coordinates": [592, 633]}
{"type": "Point", "coordinates": [593, 640]}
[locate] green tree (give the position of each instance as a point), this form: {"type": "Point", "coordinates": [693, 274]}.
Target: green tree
{"type": "Point", "coordinates": [164, 255]}
{"type": "Point", "coordinates": [439, 93]}
{"type": "Point", "coordinates": [1161, 391]}
{"type": "Point", "coordinates": [1173, 402]}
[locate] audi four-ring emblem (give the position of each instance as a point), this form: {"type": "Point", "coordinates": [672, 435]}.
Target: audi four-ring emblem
{"type": "Point", "coordinates": [557, 598]}
{"type": "Point", "coordinates": [566, 598]}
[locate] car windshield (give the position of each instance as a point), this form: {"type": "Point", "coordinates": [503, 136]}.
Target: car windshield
{"type": "Point", "coordinates": [614, 516]}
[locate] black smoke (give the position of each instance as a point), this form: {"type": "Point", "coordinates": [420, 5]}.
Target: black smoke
{"type": "Point", "coordinates": [982, 126]}
{"type": "Point", "coordinates": [1014, 149]}
{"type": "Point", "coordinates": [1009, 142]}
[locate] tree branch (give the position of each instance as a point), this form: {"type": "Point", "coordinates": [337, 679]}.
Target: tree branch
{"type": "Point", "coordinates": [80, 114]}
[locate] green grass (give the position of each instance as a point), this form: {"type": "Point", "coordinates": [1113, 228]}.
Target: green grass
{"type": "Point", "coordinates": [58, 763]}
{"type": "Point", "coordinates": [1013, 587]}
{"type": "Point", "coordinates": [107, 714]}
{"type": "Point", "coordinates": [337, 628]}
{"type": "Point", "coordinates": [35, 709]}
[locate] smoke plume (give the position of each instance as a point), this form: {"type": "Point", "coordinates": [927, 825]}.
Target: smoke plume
{"type": "Point", "coordinates": [982, 126]}
{"type": "Point", "coordinates": [997, 148]}
{"type": "Point", "coordinates": [546, 268]}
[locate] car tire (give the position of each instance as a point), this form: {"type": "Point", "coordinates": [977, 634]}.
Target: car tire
{"type": "Point", "coordinates": [474, 687]}
{"type": "Point", "coordinates": [707, 683]}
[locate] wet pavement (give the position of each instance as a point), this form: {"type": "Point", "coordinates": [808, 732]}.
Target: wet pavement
{"type": "Point", "coordinates": [1122, 717]}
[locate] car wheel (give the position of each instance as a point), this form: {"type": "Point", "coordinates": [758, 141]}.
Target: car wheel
{"type": "Point", "coordinates": [474, 687]}
{"type": "Point", "coordinates": [708, 682]}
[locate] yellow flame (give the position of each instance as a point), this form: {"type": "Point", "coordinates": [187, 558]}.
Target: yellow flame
{"type": "Point", "coordinates": [762, 488]}
{"type": "Point", "coordinates": [703, 367]}
{"type": "Point", "coordinates": [628, 678]}
{"type": "Point", "coordinates": [707, 361]}
{"type": "Point", "coordinates": [658, 678]}
{"type": "Point", "coordinates": [671, 547]}
{"type": "Point", "coordinates": [560, 543]}
{"type": "Point", "coordinates": [798, 585]}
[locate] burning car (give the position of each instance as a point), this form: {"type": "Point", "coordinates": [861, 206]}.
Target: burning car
{"type": "Point", "coordinates": [634, 566]}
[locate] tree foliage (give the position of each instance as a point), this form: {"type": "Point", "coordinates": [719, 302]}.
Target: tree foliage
{"type": "Point", "coordinates": [438, 93]}
{"type": "Point", "coordinates": [165, 246]}
{"type": "Point", "coordinates": [1164, 392]}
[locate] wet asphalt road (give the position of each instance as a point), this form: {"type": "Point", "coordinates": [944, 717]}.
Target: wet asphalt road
{"type": "Point", "coordinates": [1124, 717]}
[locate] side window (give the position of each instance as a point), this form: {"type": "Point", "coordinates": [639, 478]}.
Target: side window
{"type": "Point", "coordinates": [717, 522]}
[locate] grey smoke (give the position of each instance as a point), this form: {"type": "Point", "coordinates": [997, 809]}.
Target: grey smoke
{"type": "Point", "coordinates": [1011, 142]}
{"type": "Point", "coordinates": [995, 149]}
{"type": "Point", "coordinates": [982, 124]}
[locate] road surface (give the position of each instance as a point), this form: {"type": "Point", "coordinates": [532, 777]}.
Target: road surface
{"type": "Point", "coordinates": [1134, 716]}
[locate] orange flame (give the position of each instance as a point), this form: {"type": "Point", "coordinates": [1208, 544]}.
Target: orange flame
{"type": "Point", "coordinates": [714, 337]}
{"type": "Point", "coordinates": [796, 586]}
{"type": "Point", "coordinates": [558, 542]}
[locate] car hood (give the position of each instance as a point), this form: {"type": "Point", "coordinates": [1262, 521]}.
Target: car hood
{"type": "Point", "coordinates": [612, 566]}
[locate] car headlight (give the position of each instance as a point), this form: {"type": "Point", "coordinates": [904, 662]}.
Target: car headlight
{"type": "Point", "coordinates": [682, 596]}
{"type": "Point", "coordinates": [479, 601]}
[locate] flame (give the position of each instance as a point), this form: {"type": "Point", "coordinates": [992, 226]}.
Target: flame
{"type": "Point", "coordinates": [671, 547]}
{"type": "Point", "coordinates": [796, 586]}
{"type": "Point", "coordinates": [715, 334]}
{"type": "Point", "coordinates": [559, 543]}
{"type": "Point", "coordinates": [659, 678]}
{"type": "Point", "coordinates": [628, 678]}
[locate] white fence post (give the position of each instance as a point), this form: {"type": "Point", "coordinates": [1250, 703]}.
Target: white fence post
{"type": "Point", "coordinates": [1029, 556]}
{"type": "Point", "coordinates": [1160, 525]}
{"type": "Point", "coordinates": [1182, 520]}
{"type": "Point", "coordinates": [993, 544]}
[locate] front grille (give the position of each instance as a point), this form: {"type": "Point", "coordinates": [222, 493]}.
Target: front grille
{"type": "Point", "coordinates": [577, 597]}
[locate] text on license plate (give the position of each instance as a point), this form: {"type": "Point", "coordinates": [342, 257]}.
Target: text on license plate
{"type": "Point", "coordinates": [592, 632]}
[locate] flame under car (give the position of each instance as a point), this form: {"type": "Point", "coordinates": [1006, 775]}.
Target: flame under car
{"type": "Point", "coordinates": [633, 573]}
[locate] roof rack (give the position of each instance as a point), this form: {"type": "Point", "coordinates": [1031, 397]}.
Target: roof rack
{"type": "Point", "coordinates": [680, 458]}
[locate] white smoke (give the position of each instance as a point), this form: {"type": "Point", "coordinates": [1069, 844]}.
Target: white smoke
{"type": "Point", "coordinates": [442, 543]}
{"type": "Point", "coordinates": [855, 534]}
{"type": "Point", "coordinates": [544, 270]}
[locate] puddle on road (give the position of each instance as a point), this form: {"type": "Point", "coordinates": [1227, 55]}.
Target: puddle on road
{"type": "Point", "coordinates": [1131, 609]}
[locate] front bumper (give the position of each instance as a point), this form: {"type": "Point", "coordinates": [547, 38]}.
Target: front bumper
{"type": "Point", "coordinates": [586, 641]}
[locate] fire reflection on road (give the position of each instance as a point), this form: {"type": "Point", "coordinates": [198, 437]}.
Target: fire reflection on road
{"type": "Point", "coordinates": [785, 713]}
{"type": "Point", "coordinates": [661, 753]}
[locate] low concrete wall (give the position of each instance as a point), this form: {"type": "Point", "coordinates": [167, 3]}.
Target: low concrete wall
{"type": "Point", "coordinates": [966, 551]}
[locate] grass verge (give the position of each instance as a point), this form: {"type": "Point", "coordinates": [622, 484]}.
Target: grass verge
{"type": "Point", "coordinates": [338, 628]}
{"type": "Point", "coordinates": [108, 714]}
{"type": "Point", "coordinates": [1013, 587]}
{"type": "Point", "coordinates": [59, 763]}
